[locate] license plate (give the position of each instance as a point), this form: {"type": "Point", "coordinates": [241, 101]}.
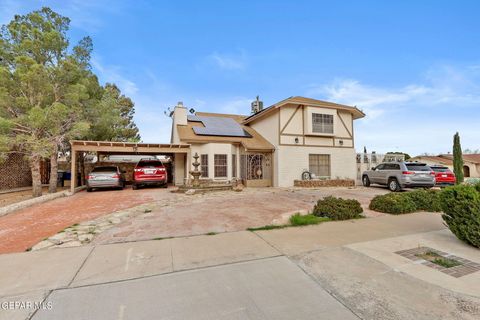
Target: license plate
{"type": "Point", "coordinates": [444, 175]}
{"type": "Point", "coordinates": [150, 171]}
{"type": "Point", "coordinates": [101, 178]}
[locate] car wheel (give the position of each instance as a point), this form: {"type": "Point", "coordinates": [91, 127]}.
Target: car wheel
{"type": "Point", "coordinates": [89, 189]}
{"type": "Point", "coordinates": [366, 181]}
{"type": "Point", "coordinates": [393, 185]}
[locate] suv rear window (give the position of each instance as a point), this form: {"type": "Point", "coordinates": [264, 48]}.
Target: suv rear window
{"type": "Point", "coordinates": [150, 164]}
{"type": "Point", "coordinates": [418, 167]}
{"type": "Point", "coordinates": [440, 169]}
{"type": "Point", "coordinates": [104, 169]}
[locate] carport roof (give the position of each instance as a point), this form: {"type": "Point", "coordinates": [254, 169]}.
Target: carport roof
{"type": "Point", "coordinates": [113, 147]}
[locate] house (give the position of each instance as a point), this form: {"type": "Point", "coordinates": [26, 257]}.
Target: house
{"type": "Point", "coordinates": [471, 163]}
{"type": "Point", "coordinates": [272, 146]}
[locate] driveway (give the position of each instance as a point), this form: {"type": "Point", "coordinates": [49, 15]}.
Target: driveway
{"type": "Point", "coordinates": [22, 229]}
{"type": "Point", "coordinates": [169, 215]}
{"type": "Point", "coordinates": [227, 212]}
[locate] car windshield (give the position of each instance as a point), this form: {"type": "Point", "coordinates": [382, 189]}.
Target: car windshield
{"type": "Point", "coordinates": [105, 169]}
{"type": "Point", "coordinates": [418, 167]}
{"type": "Point", "coordinates": [440, 169]}
{"type": "Point", "coordinates": [150, 164]}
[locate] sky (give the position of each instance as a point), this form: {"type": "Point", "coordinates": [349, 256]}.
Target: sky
{"type": "Point", "coordinates": [412, 66]}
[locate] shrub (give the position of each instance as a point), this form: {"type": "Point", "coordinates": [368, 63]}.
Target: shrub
{"type": "Point", "coordinates": [299, 220]}
{"type": "Point", "coordinates": [394, 203]}
{"type": "Point", "coordinates": [461, 207]}
{"type": "Point", "coordinates": [338, 208]}
{"type": "Point", "coordinates": [426, 200]}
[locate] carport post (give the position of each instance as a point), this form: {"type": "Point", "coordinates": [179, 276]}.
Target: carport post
{"type": "Point", "coordinates": [73, 168]}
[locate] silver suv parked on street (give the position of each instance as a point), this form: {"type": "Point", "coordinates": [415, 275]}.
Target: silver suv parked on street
{"type": "Point", "coordinates": [398, 175]}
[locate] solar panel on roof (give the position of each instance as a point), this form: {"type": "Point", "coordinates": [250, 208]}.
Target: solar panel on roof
{"type": "Point", "coordinates": [218, 126]}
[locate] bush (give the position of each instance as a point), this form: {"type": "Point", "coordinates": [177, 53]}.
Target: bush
{"type": "Point", "coordinates": [299, 220]}
{"type": "Point", "coordinates": [338, 208]}
{"type": "Point", "coordinates": [408, 202]}
{"type": "Point", "coordinates": [461, 207]}
{"type": "Point", "coordinates": [394, 203]}
{"type": "Point", "coordinates": [426, 200]}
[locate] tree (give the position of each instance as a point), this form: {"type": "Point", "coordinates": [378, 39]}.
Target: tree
{"type": "Point", "coordinates": [457, 158]}
{"type": "Point", "coordinates": [112, 117]}
{"type": "Point", "coordinates": [48, 94]}
{"type": "Point", "coordinates": [41, 89]}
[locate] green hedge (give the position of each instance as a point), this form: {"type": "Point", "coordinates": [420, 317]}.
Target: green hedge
{"type": "Point", "coordinates": [394, 203]}
{"type": "Point", "coordinates": [338, 208]}
{"type": "Point", "coordinates": [407, 202]}
{"type": "Point", "coordinates": [461, 207]}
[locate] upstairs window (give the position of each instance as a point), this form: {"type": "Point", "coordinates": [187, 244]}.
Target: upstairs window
{"type": "Point", "coordinates": [204, 165]}
{"type": "Point", "coordinates": [322, 123]}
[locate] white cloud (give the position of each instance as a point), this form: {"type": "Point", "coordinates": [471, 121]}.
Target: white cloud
{"type": "Point", "coordinates": [418, 117]}
{"type": "Point", "coordinates": [229, 61]}
{"type": "Point", "coordinates": [112, 74]}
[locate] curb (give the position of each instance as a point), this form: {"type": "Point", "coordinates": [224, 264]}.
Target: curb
{"type": "Point", "coordinates": [30, 202]}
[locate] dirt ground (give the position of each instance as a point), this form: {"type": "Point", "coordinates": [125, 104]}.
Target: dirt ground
{"type": "Point", "coordinates": [14, 197]}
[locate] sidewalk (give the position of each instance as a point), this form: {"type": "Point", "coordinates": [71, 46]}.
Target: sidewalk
{"type": "Point", "coordinates": [225, 276]}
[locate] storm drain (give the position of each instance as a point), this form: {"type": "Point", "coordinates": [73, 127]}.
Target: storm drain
{"type": "Point", "coordinates": [444, 262]}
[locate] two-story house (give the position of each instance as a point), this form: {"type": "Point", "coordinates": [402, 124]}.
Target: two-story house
{"type": "Point", "coordinates": [272, 146]}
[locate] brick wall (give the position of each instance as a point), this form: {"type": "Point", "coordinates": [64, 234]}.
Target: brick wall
{"type": "Point", "coordinates": [15, 172]}
{"type": "Point", "coordinates": [324, 183]}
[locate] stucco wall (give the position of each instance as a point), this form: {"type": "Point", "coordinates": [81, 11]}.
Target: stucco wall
{"type": "Point", "coordinates": [292, 160]}
{"type": "Point", "coordinates": [211, 149]}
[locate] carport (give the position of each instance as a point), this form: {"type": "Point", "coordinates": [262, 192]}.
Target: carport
{"type": "Point", "coordinates": [180, 154]}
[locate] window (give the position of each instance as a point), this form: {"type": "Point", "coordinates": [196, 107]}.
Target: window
{"type": "Point", "coordinates": [322, 123]}
{"type": "Point", "coordinates": [220, 162]}
{"type": "Point", "coordinates": [319, 164]}
{"type": "Point", "coordinates": [391, 166]}
{"type": "Point", "coordinates": [204, 165]}
{"type": "Point", "coordinates": [234, 165]}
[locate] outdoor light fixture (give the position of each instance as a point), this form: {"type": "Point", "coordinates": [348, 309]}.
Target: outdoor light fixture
{"type": "Point", "coordinates": [341, 142]}
{"type": "Point", "coordinates": [296, 140]}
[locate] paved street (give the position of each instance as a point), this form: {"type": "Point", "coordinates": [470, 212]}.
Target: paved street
{"type": "Point", "coordinates": [315, 272]}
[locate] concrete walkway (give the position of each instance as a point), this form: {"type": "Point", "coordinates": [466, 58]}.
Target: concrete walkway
{"type": "Point", "coordinates": [277, 274]}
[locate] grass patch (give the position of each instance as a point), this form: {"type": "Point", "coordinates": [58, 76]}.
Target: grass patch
{"type": "Point", "coordinates": [308, 219]}
{"type": "Point", "coordinates": [147, 210]}
{"type": "Point", "coordinates": [296, 220]}
{"type": "Point", "coordinates": [211, 233]}
{"type": "Point", "coordinates": [268, 227]}
{"type": "Point", "coordinates": [438, 259]}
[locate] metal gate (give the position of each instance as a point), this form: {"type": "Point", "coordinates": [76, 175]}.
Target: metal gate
{"type": "Point", "coordinates": [256, 169]}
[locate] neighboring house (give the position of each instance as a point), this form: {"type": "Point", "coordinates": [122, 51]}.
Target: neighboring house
{"type": "Point", "coordinates": [272, 146]}
{"type": "Point", "coordinates": [471, 163]}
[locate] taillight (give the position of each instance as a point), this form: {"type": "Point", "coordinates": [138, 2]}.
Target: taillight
{"type": "Point", "coordinates": [408, 172]}
{"type": "Point", "coordinates": [161, 169]}
{"type": "Point", "coordinates": [116, 176]}
{"type": "Point", "coordinates": [90, 177]}
{"type": "Point", "coordinates": [432, 173]}
{"type": "Point", "coordinates": [138, 170]}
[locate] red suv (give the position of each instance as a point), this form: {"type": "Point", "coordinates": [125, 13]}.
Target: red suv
{"type": "Point", "coordinates": [443, 176]}
{"type": "Point", "coordinates": [149, 171]}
